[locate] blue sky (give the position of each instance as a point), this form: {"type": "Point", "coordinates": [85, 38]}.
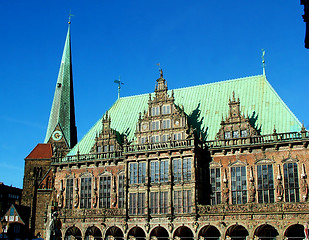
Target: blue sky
{"type": "Point", "coordinates": [196, 42]}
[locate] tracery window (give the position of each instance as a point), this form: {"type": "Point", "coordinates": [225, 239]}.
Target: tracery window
{"type": "Point", "coordinates": [182, 169]}
{"type": "Point", "coordinates": [239, 185]}
{"type": "Point", "coordinates": [291, 182]}
{"type": "Point", "coordinates": [121, 191]}
{"type": "Point", "coordinates": [265, 184]}
{"type": "Point", "coordinates": [136, 203]}
{"type": "Point", "coordinates": [69, 193]}
{"type": "Point", "coordinates": [158, 202]}
{"type": "Point", "coordinates": [105, 192]}
{"type": "Point", "coordinates": [85, 192]}
{"type": "Point", "coordinates": [182, 201]}
{"type": "Point", "coordinates": [215, 182]}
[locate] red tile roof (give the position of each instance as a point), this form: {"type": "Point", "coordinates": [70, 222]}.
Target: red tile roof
{"type": "Point", "coordinates": [41, 151]}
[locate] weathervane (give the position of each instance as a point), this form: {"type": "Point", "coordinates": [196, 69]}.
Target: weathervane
{"type": "Point", "coordinates": [119, 83]}
{"type": "Point", "coordinates": [263, 61]}
{"type": "Point", "coordinates": [70, 15]}
{"type": "Point", "coordinates": [160, 70]}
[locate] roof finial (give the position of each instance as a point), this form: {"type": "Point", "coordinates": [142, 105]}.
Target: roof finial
{"type": "Point", "coordinates": [119, 83]}
{"type": "Point", "coordinates": [263, 61]}
{"type": "Point", "coordinates": [160, 70]}
{"type": "Point", "coordinates": [70, 15]}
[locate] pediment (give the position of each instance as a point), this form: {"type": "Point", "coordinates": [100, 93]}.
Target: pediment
{"type": "Point", "coordinates": [105, 173]}
{"type": "Point", "coordinates": [86, 174]}
{"type": "Point", "coordinates": [215, 165]}
{"type": "Point", "coordinates": [264, 161]}
{"type": "Point", "coordinates": [290, 160]}
{"type": "Point", "coordinates": [238, 163]}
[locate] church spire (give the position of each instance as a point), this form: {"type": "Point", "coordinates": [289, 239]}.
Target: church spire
{"type": "Point", "coordinates": [61, 125]}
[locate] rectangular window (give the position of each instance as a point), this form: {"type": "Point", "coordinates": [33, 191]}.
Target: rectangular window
{"type": "Point", "coordinates": [105, 148]}
{"type": "Point", "coordinates": [121, 191]}
{"type": "Point", "coordinates": [235, 134]}
{"type": "Point", "coordinates": [244, 133]}
{"type": "Point", "coordinates": [227, 135]}
{"type": "Point", "coordinates": [166, 123]}
{"type": "Point", "coordinates": [265, 184]}
{"type": "Point", "coordinates": [177, 136]}
{"type": "Point", "coordinates": [133, 173]}
{"type": "Point", "coordinates": [291, 183]}
{"type": "Point", "coordinates": [165, 137]}
{"type": "Point", "coordinates": [215, 182]}
{"type": "Point", "coordinates": [154, 171]}
{"type": "Point", "coordinates": [177, 170]}
{"type": "Point", "coordinates": [186, 170]}
{"type": "Point", "coordinates": [105, 192]}
{"type": "Point", "coordinates": [166, 109]}
{"type": "Point", "coordinates": [133, 204]}
{"type": "Point", "coordinates": [164, 202]}
{"type": "Point", "coordinates": [154, 203]}
{"type": "Point", "coordinates": [143, 140]}
{"type": "Point", "coordinates": [155, 111]}
{"type": "Point", "coordinates": [155, 125]}
{"type": "Point", "coordinates": [163, 170]}
{"type": "Point", "coordinates": [155, 139]}
{"type": "Point", "coordinates": [69, 194]}
{"type": "Point", "coordinates": [239, 185]}
{"type": "Point", "coordinates": [111, 148]}
{"type": "Point", "coordinates": [141, 203]}
{"type": "Point", "coordinates": [141, 172]}
{"type": "Point", "coordinates": [99, 149]}
{"type": "Point", "coordinates": [85, 192]}
{"type": "Point", "coordinates": [182, 201]}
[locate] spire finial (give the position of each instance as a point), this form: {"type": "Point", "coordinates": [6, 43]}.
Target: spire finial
{"type": "Point", "coordinates": [263, 61]}
{"type": "Point", "coordinates": [70, 15]}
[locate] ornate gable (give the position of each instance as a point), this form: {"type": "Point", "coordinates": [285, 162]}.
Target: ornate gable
{"type": "Point", "coordinates": [235, 125]}
{"type": "Point", "coordinates": [108, 140]}
{"type": "Point", "coordinates": [164, 121]}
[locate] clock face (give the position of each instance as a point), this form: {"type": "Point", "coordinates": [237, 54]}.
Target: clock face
{"type": "Point", "coordinates": [57, 135]}
{"type": "Point", "coordinates": [144, 126]}
{"type": "Point", "coordinates": [177, 122]}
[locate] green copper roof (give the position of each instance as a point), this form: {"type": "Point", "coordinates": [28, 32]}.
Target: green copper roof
{"type": "Point", "coordinates": [257, 99]}
{"type": "Point", "coordinates": [62, 111]}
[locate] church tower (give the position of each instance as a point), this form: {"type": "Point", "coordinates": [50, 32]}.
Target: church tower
{"type": "Point", "coordinates": [61, 136]}
{"type": "Point", "coordinates": [61, 130]}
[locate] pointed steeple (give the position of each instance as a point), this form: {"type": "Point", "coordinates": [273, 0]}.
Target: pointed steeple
{"type": "Point", "coordinates": [61, 125]}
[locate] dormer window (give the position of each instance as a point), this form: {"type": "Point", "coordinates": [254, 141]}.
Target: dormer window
{"type": "Point", "coordinates": [235, 134]}
{"type": "Point", "coordinates": [99, 149]}
{"type": "Point", "coordinates": [244, 133]}
{"type": "Point", "coordinates": [155, 111]}
{"type": "Point", "coordinates": [166, 123]}
{"type": "Point", "coordinates": [166, 109]}
{"type": "Point", "coordinates": [111, 148]}
{"type": "Point", "coordinates": [105, 148]}
{"type": "Point", "coordinates": [227, 135]}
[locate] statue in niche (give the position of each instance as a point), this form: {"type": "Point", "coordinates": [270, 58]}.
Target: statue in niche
{"type": "Point", "coordinates": [279, 190]}
{"type": "Point", "coordinates": [251, 189]}
{"type": "Point", "coordinates": [225, 193]}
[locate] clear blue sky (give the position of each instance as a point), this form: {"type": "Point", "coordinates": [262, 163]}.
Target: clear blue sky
{"type": "Point", "coordinates": [196, 42]}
